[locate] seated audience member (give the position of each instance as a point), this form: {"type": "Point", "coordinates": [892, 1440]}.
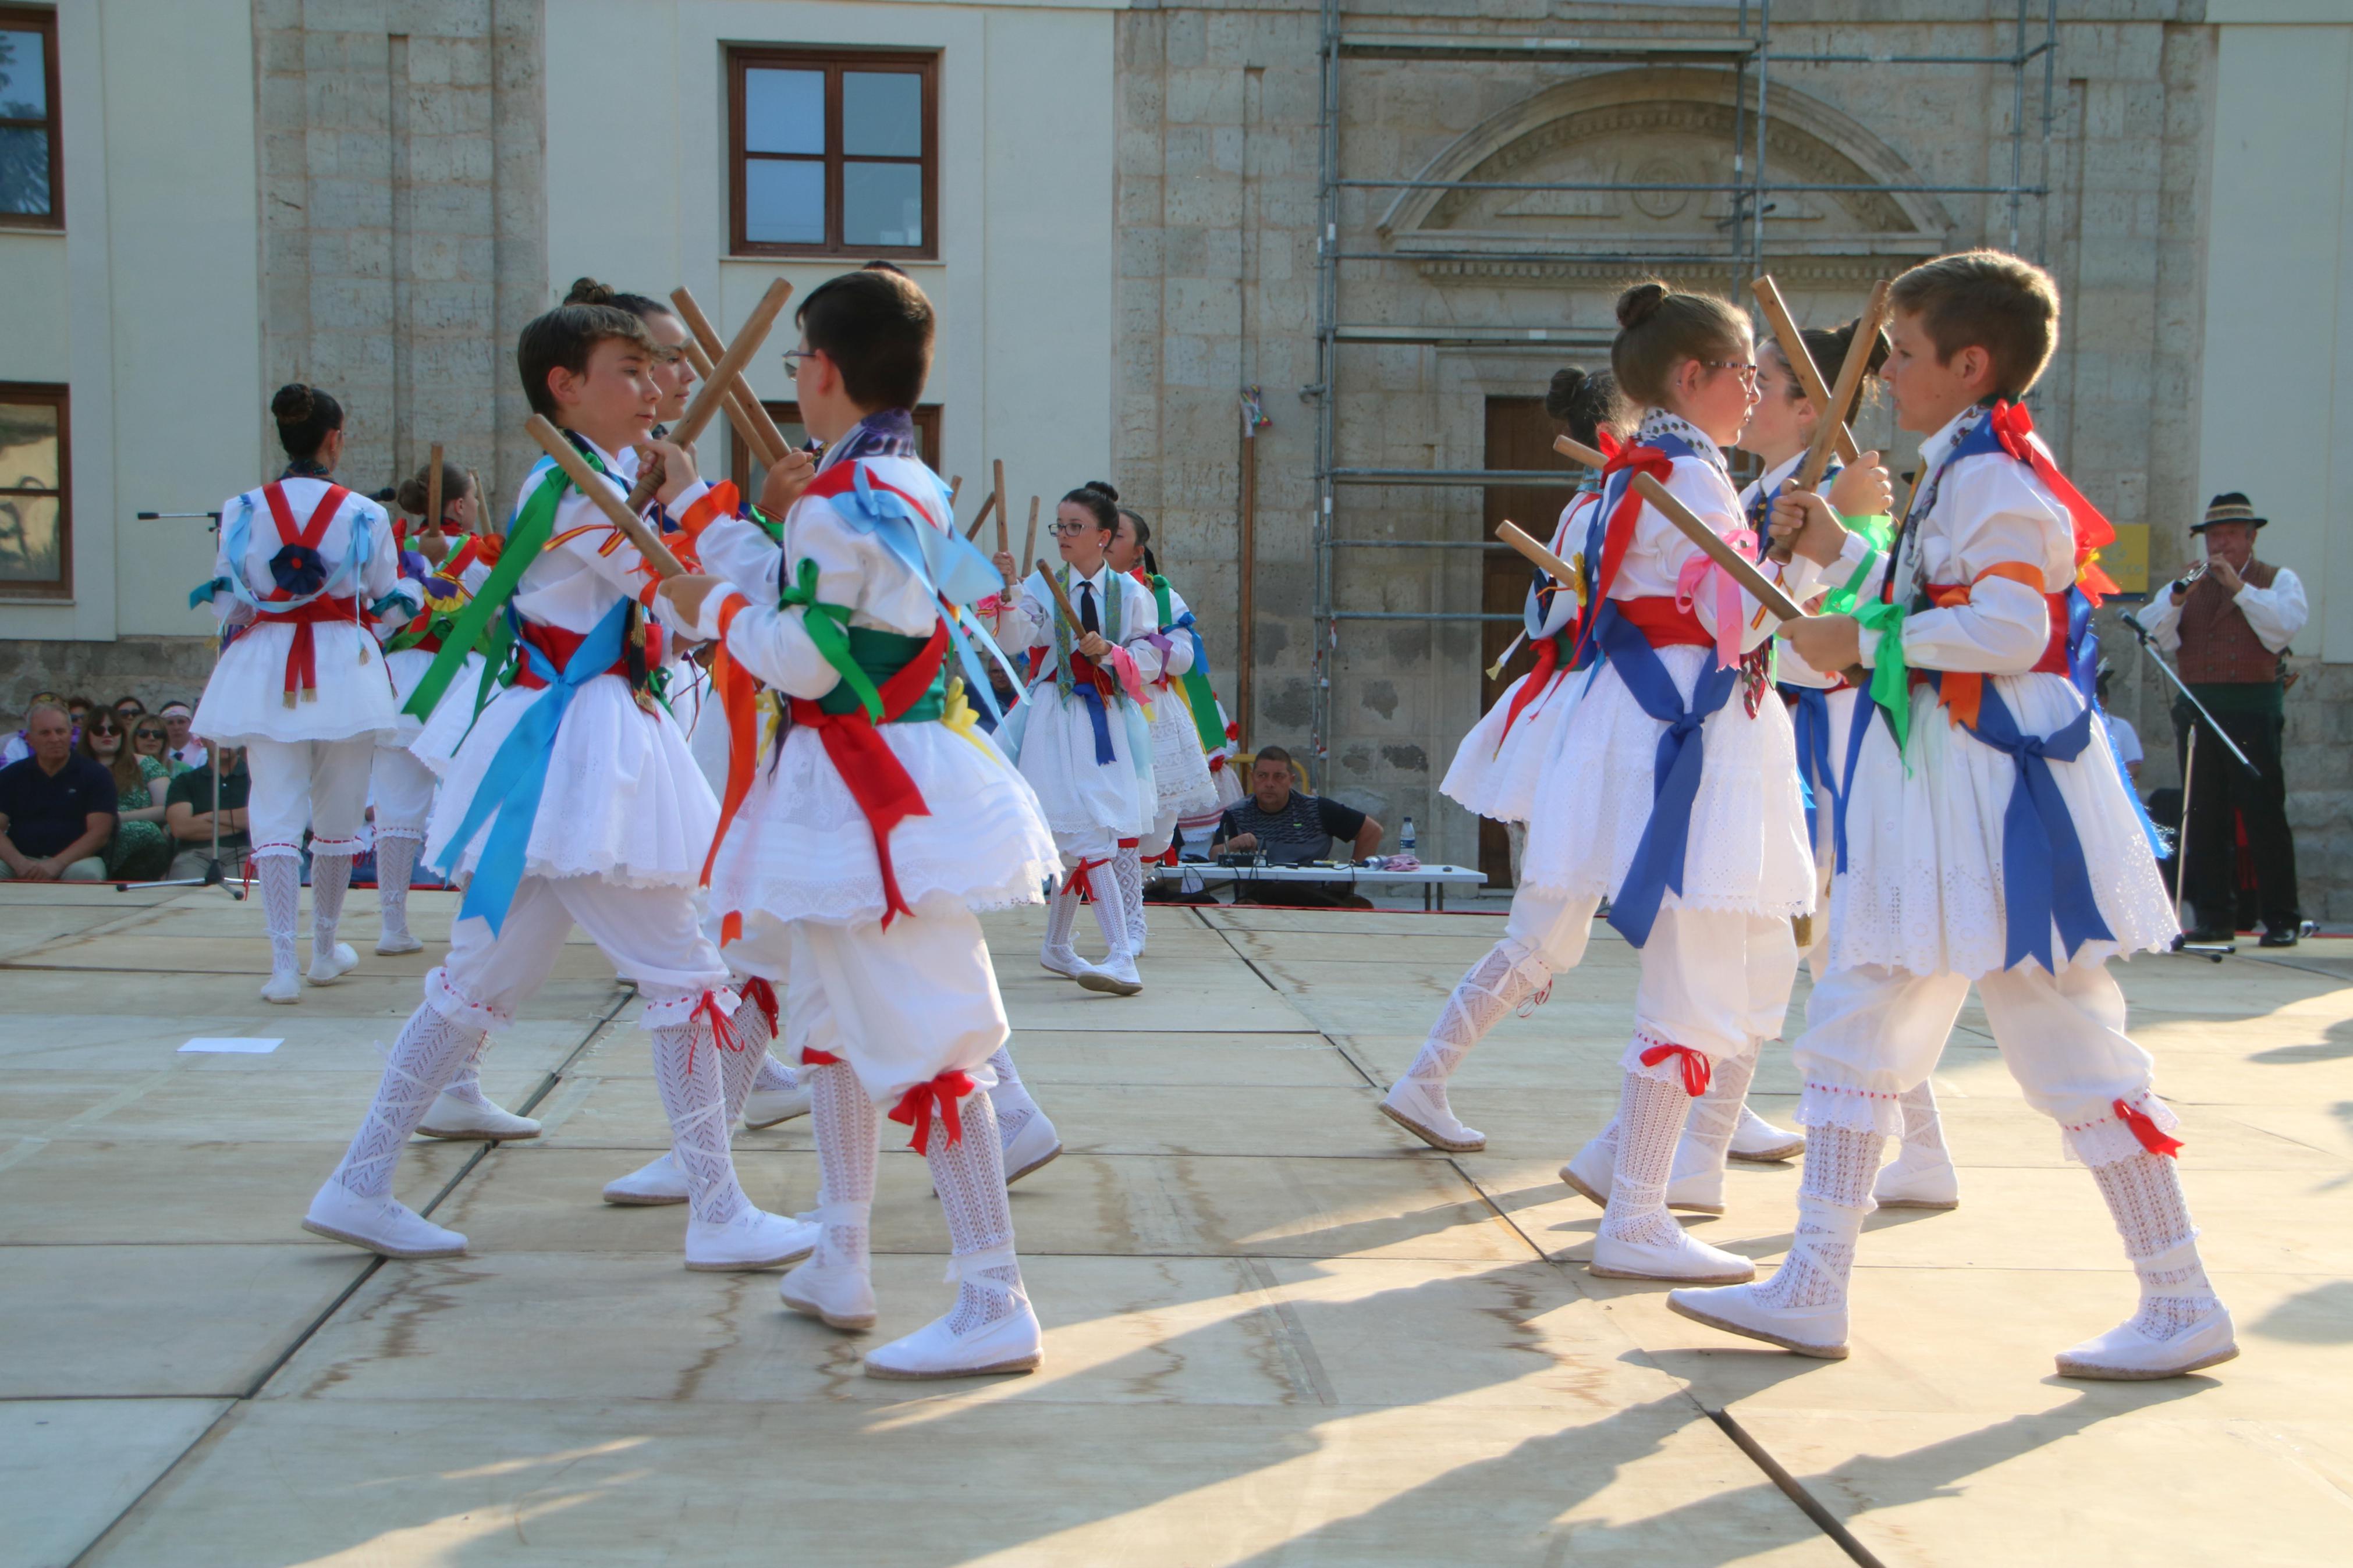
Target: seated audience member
{"type": "Point", "coordinates": [78, 709]}
{"type": "Point", "coordinates": [140, 849]}
{"type": "Point", "coordinates": [188, 811]}
{"type": "Point", "coordinates": [129, 708]}
{"type": "Point", "coordinates": [56, 809]}
{"type": "Point", "coordinates": [185, 750]}
{"type": "Point", "coordinates": [1289, 829]}
{"type": "Point", "coordinates": [150, 738]}
{"type": "Point", "coordinates": [17, 747]}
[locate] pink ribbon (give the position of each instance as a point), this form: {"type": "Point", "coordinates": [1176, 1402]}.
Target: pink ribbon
{"type": "Point", "coordinates": [1131, 681]}
{"type": "Point", "coordinates": [1728, 616]}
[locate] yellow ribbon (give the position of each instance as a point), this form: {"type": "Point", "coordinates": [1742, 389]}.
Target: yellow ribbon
{"type": "Point", "coordinates": [961, 717]}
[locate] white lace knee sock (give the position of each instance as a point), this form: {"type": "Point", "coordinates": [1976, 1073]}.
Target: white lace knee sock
{"type": "Point", "coordinates": [969, 1175]}
{"type": "Point", "coordinates": [465, 1084]}
{"type": "Point", "coordinates": [1832, 1199]}
{"type": "Point", "coordinates": [1924, 1129]}
{"type": "Point", "coordinates": [329, 874]}
{"type": "Point", "coordinates": [1110, 918]}
{"type": "Point", "coordinates": [842, 1119]}
{"type": "Point", "coordinates": [1061, 916]}
{"type": "Point", "coordinates": [1715, 1115]}
{"type": "Point", "coordinates": [430, 1049]}
{"type": "Point", "coordinates": [1650, 1118]}
{"type": "Point", "coordinates": [1013, 1104]}
{"type": "Point", "coordinates": [395, 861]}
{"type": "Point", "coordinates": [2144, 1194]}
{"type": "Point", "coordinates": [1490, 989]}
{"type": "Point", "coordinates": [742, 1066]}
{"type": "Point", "coordinates": [282, 905]}
{"type": "Point", "coordinates": [772, 1075]}
{"type": "Point", "coordinates": [688, 1072]}
{"type": "Point", "coordinates": [1127, 870]}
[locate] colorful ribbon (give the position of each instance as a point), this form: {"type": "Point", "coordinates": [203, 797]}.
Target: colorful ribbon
{"type": "Point", "coordinates": [1656, 868]}
{"type": "Point", "coordinates": [2044, 879]}
{"type": "Point", "coordinates": [885, 792]}
{"type": "Point", "coordinates": [1810, 719]}
{"type": "Point", "coordinates": [1697, 1072]}
{"type": "Point", "coordinates": [2153, 1138]}
{"type": "Point", "coordinates": [1696, 573]}
{"type": "Point", "coordinates": [916, 1107]}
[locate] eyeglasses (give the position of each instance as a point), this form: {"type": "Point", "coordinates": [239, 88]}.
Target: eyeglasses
{"type": "Point", "coordinates": [1747, 371]}
{"type": "Point", "coordinates": [793, 358]}
{"type": "Point", "coordinates": [1072, 529]}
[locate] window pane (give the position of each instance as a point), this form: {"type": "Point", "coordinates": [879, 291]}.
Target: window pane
{"type": "Point", "coordinates": [24, 169]}
{"type": "Point", "coordinates": [784, 203]}
{"type": "Point", "coordinates": [882, 115]}
{"type": "Point", "coordinates": [24, 76]}
{"type": "Point", "coordinates": [881, 204]}
{"type": "Point", "coordinates": [28, 447]}
{"type": "Point", "coordinates": [28, 539]}
{"type": "Point", "coordinates": [795, 435]}
{"type": "Point", "coordinates": [784, 111]}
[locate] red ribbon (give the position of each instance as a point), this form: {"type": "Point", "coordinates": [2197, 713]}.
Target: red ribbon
{"type": "Point", "coordinates": [762, 996]}
{"type": "Point", "coordinates": [2013, 426]}
{"type": "Point", "coordinates": [1547, 665]}
{"type": "Point", "coordinates": [1082, 878]}
{"type": "Point", "coordinates": [916, 1107]}
{"type": "Point", "coordinates": [722, 1032]}
{"type": "Point", "coordinates": [2152, 1137]}
{"type": "Point", "coordinates": [302, 653]}
{"type": "Point", "coordinates": [877, 781]}
{"type": "Point", "coordinates": [1697, 1071]}
{"type": "Point", "coordinates": [1630, 458]}
{"type": "Point", "coordinates": [813, 1057]}
{"type": "Point", "coordinates": [739, 704]}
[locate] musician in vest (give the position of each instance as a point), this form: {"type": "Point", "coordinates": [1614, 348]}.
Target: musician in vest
{"type": "Point", "coordinates": [300, 682]}
{"type": "Point", "coordinates": [2228, 624]}
{"type": "Point", "coordinates": [1990, 840]}
{"type": "Point", "coordinates": [864, 852]}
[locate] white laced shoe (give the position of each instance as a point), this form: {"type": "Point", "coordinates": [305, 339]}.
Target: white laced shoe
{"type": "Point", "coordinates": [382, 1226]}
{"type": "Point", "coordinates": [1036, 1145]}
{"type": "Point", "coordinates": [284, 987]}
{"type": "Point", "coordinates": [1808, 1330]}
{"type": "Point", "coordinates": [451, 1117]}
{"type": "Point", "coordinates": [1066, 963]}
{"type": "Point", "coordinates": [651, 1185]}
{"type": "Point", "coordinates": [331, 965]}
{"type": "Point", "coordinates": [766, 1107]}
{"type": "Point", "coordinates": [1757, 1139]}
{"type": "Point", "coordinates": [1413, 1108]}
{"type": "Point", "coordinates": [839, 1295]}
{"type": "Point", "coordinates": [1117, 977]}
{"type": "Point", "coordinates": [1680, 1257]}
{"type": "Point", "coordinates": [1694, 1185]}
{"type": "Point", "coordinates": [1012, 1343]}
{"type": "Point", "coordinates": [753, 1239]}
{"type": "Point", "coordinates": [396, 939]}
{"type": "Point", "coordinates": [1918, 1179]}
{"type": "Point", "coordinates": [2129, 1354]}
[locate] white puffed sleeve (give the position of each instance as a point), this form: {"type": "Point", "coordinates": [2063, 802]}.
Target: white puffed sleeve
{"type": "Point", "coordinates": [741, 552]}
{"type": "Point", "coordinates": [1179, 658]}
{"type": "Point", "coordinates": [1993, 512]}
{"type": "Point", "coordinates": [2276, 612]}
{"type": "Point", "coordinates": [775, 644]}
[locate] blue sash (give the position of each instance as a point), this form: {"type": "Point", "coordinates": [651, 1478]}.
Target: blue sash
{"type": "Point", "coordinates": [2044, 877]}
{"type": "Point", "coordinates": [517, 775]}
{"type": "Point", "coordinates": [1656, 868]}
{"type": "Point", "coordinates": [1811, 720]}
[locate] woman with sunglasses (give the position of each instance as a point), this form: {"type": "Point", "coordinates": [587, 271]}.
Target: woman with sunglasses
{"type": "Point", "coordinates": [1081, 737]}
{"type": "Point", "coordinates": [140, 850]}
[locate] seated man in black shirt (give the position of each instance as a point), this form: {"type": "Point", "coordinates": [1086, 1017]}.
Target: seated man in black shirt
{"type": "Point", "coordinates": [56, 810]}
{"type": "Point", "coordinates": [188, 811]}
{"type": "Point", "coordinates": [1290, 829]}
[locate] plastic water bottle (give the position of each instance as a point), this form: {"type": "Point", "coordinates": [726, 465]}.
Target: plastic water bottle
{"type": "Point", "coordinates": [1405, 839]}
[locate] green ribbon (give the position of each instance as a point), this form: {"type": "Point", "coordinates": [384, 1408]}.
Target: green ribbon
{"type": "Point", "coordinates": [881, 654]}
{"type": "Point", "coordinates": [828, 630]}
{"type": "Point", "coordinates": [1200, 696]}
{"type": "Point", "coordinates": [1840, 601]}
{"type": "Point", "coordinates": [1891, 679]}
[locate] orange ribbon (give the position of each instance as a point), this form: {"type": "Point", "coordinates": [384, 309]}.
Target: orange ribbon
{"type": "Point", "coordinates": [1962, 691]}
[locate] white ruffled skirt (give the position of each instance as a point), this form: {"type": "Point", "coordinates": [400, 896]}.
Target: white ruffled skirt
{"type": "Point", "coordinates": [1923, 888]}
{"type": "Point", "coordinates": [1495, 774]}
{"type": "Point", "coordinates": [623, 801]}
{"type": "Point", "coordinates": [407, 668]}
{"type": "Point", "coordinates": [1746, 850]}
{"type": "Point", "coordinates": [245, 700]}
{"type": "Point", "coordinates": [1052, 741]}
{"type": "Point", "coordinates": [1180, 769]}
{"type": "Point", "coordinates": [801, 849]}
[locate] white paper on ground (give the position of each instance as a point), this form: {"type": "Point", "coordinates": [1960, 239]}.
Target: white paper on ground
{"type": "Point", "coordinates": [245, 1044]}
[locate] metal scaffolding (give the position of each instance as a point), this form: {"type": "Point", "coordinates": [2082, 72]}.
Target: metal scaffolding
{"type": "Point", "coordinates": [1747, 56]}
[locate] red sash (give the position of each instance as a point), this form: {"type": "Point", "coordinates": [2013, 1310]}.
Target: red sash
{"type": "Point", "coordinates": [1962, 691]}
{"type": "Point", "coordinates": [877, 780]}
{"type": "Point", "coordinates": [559, 646]}
{"type": "Point", "coordinates": [1663, 623]}
{"type": "Point", "coordinates": [302, 653]}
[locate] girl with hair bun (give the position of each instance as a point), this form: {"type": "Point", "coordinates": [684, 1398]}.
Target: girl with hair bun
{"type": "Point", "coordinates": [300, 682]}
{"type": "Point", "coordinates": [1081, 737]}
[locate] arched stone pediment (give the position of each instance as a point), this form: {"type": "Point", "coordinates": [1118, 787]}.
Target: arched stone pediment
{"type": "Point", "coordinates": [1660, 127]}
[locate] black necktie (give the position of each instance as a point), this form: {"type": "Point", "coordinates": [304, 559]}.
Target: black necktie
{"type": "Point", "coordinates": [1087, 621]}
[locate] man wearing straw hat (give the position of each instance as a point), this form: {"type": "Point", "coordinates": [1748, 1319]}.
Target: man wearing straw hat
{"type": "Point", "coordinates": [2228, 622]}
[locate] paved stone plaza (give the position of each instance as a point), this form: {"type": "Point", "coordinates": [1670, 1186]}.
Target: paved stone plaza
{"type": "Point", "coordinates": [1277, 1331]}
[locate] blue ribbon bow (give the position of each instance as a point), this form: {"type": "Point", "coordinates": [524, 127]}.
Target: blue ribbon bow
{"type": "Point", "coordinates": [2044, 877]}
{"type": "Point", "coordinates": [1811, 720]}
{"type": "Point", "coordinates": [1657, 864]}
{"type": "Point", "coordinates": [517, 775]}
{"type": "Point", "coordinates": [1086, 693]}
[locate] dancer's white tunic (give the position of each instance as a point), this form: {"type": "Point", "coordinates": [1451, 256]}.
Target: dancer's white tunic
{"type": "Point", "coordinates": [403, 785]}
{"type": "Point", "coordinates": [1089, 805]}
{"type": "Point", "coordinates": [1180, 768]}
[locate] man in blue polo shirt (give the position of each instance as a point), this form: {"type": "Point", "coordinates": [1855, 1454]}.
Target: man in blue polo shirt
{"type": "Point", "coordinates": [56, 810]}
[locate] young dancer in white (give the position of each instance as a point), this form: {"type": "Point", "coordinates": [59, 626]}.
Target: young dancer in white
{"type": "Point", "coordinates": [1988, 837]}
{"type": "Point", "coordinates": [1081, 736]}
{"type": "Point", "coordinates": [571, 798]}
{"type": "Point", "coordinates": [300, 682]}
{"type": "Point", "coordinates": [860, 861]}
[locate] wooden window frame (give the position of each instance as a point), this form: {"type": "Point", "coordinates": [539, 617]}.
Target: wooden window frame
{"type": "Point", "coordinates": [61, 398]}
{"type": "Point", "coordinates": [44, 21]}
{"type": "Point", "coordinates": [926, 416]}
{"type": "Point", "coordinates": [743, 58]}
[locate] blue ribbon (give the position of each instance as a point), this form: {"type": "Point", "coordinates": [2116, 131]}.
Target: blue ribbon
{"type": "Point", "coordinates": [517, 775]}
{"type": "Point", "coordinates": [1658, 865]}
{"type": "Point", "coordinates": [1865, 710]}
{"type": "Point", "coordinates": [1085, 691]}
{"type": "Point", "coordinates": [2044, 877]}
{"type": "Point", "coordinates": [1811, 720]}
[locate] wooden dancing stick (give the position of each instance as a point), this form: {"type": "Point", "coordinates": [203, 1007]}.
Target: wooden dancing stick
{"type": "Point", "coordinates": [988, 505]}
{"type": "Point", "coordinates": [713, 392]}
{"type": "Point", "coordinates": [1529, 545]}
{"type": "Point", "coordinates": [738, 415]}
{"type": "Point", "coordinates": [1029, 539]}
{"type": "Point", "coordinates": [1062, 600]}
{"type": "Point", "coordinates": [1801, 361]}
{"type": "Point", "coordinates": [956, 483]}
{"type": "Point", "coordinates": [1736, 566]}
{"type": "Point", "coordinates": [1004, 540]}
{"type": "Point", "coordinates": [433, 490]}
{"type": "Point", "coordinates": [707, 337]}
{"type": "Point", "coordinates": [597, 488]}
{"type": "Point", "coordinates": [1850, 375]}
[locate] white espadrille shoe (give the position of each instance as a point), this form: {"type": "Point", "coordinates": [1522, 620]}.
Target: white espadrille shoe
{"type": "Point", "coordinates": [1758, 1140]}
{"type": "Point", "coordinates": [752, 1240]}
{"type": "Point", "coordinates": [1676, 1256]}
{"type": "Point", "coordinates": [2130, 1353]}
{"type": "Point", "coordinates": [1818, 1331]}
{"type": "Point", "coordinates": [1115, 976]}
{"type": "Point", "coordinates": [651, 1185]}
{"type": "Point", "coordinates": [382, 1226]}
{"type": "Point", "coordinates": [453, 1118]}
{"type": "Point", "coordinates": [1064, 962]}
{"type": "Point", "coordinates": [397, 940]}
{"type": "Point", "coordinates": [1412, 1106]}
{"type": "Point", "coordinates": [331, 965]}
{"type": "Point", "coordinates": [1918, 1179]}
{"type": "Point", "coordinates": [1036, 1145]}
{"type": "Point", "coordinates": [283, 987]}
{"type": "Point", "coordinates": [768, 1107]}
{"type": "Point", "coordinates": [1694, 1185]}
{"type": "Point", "coordinates": [1012, 1343]}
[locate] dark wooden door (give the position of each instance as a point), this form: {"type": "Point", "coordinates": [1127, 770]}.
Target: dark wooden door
{"type": "Point", "coordinates": [1519, 435]}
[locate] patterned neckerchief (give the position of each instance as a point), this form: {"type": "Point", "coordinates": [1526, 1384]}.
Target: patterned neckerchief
{"type": "Point", "coordinates": [1658, 422]}
{"type": "Point", "coordinates": [305, 468]}
{"type": "Point", "coordinates": [885, 433]}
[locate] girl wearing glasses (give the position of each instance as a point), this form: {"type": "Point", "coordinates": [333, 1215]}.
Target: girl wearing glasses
{"type": "Point", "coordinates": [1082, 739]}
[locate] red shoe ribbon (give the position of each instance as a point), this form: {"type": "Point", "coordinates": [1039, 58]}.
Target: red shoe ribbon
{"type": "Point", "coordinates": [762, 996]}
{"type": "Point", "coordinates": [1082, 878]}
{"type": "Point", "coordinates": [2152, 1137]}
{"type": "Point", "coordinates": [916, 1107]}
{"type": "Point", "coordinates": [723, 1031]}
{"type": "Point", "coordinates": [1697, 1071]}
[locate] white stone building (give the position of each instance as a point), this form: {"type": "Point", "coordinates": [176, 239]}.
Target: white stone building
{"type": "Point", "coordinates": [1117, 209]}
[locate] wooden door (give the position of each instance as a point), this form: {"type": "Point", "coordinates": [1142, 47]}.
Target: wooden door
{"type": "Point", "coordinates": [1519, 435]}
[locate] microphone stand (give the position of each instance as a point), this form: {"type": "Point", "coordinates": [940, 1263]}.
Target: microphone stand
{"type": "Point", "coordinates": [2216, 951]}
{"type": "Point", "coordinates": [214, 875]}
